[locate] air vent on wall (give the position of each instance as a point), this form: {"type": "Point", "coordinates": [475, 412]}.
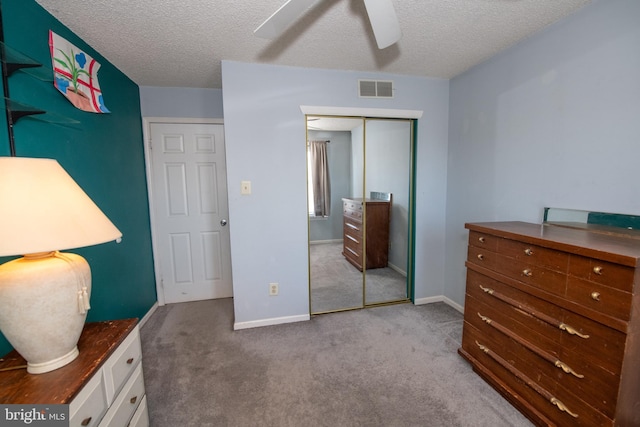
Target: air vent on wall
{"type": "Point", "coordinates": [375, 88]}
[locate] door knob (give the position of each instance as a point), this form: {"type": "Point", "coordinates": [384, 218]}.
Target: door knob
{"type": "Point", "coordinates": [223, 222]}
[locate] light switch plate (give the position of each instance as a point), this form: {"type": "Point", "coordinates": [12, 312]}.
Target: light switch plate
{"type": "Point", "coordinates": [245, 187]}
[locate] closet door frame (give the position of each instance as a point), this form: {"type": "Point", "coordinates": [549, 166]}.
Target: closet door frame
{"type": "Point", "coordinates": [390, 114]}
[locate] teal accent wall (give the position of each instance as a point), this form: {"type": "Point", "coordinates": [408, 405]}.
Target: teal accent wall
{"type": "Point", "coordinates": [103, 153]}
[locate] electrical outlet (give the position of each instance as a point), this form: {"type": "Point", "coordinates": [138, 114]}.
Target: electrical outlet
{"type": "Point", "coordinates": [273, 289]}
{"type": "Point", "coordinates": [245, 187]}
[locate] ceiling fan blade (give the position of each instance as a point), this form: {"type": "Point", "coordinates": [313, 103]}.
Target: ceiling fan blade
{"type": "Point", "coordinates": [384, 22]}
{"type": "Point", "coordinates": [283, 18]}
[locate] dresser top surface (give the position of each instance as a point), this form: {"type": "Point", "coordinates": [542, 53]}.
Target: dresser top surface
{"type": "Point", "coordinates": [97, 343]}
{"type": "Point", "coordinates": [367, 200]}
{"type": "Point", "coordinates": [613, 248]}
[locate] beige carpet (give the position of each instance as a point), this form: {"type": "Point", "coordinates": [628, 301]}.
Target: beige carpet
{"type": "Point", "coordinates": [386, 366]}
{"type": "Point", "coordinates": [336, 284]}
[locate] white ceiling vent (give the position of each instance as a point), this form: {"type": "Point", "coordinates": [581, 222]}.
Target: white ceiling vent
{"type": "Point", "coordinates": [375, 88]}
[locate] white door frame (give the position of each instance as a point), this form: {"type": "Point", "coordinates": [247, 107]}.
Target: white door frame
{"type": "Point", "coordinates": [146, 136]}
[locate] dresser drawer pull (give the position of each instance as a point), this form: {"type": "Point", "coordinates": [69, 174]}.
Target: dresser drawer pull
{"type": "Point", "coordinates": [133, 400]}
{"type": "Point", "coordinates": [485, 319]}
{"type": "Point", "coordinates": [487, 290]}
{"type": "Point", "coordinates": [598, 270]}
{"type": "Point", "coordinates": [354, 253]}
{"type": "Point", "coordinates": [562, 407]}
{"type": "Point", "coordinates": [482, 347]}
{"type": "Point", "coordinates": [481, 257]}
{"type": "Point", "coordinates": [567, 369]}
{"type": "Point", "coordinates": [527, 272]}
{"type": "Point", "coordinates": [568, 329]}
{"type": "Point", "coordinates": [531, 347]}
{"type": "Point", "coordinates": [353, 227]}
{"type": "Point", "coordinates": [595, 296]}
{"type": "Point", "coordinates": [130, 361]}
{"type": "Point", "coordinates": [481, 239]}
{"type": "Point", "coordinates": [85, 422]}
{"type": "Point", "coordinates": [535, 313]}
{"type": "Point", "coordinates": [352, 238]}
{"type": "Point", "coordinates": [528, 251]}
{"type": "Point", "coordinates": [528, 381]}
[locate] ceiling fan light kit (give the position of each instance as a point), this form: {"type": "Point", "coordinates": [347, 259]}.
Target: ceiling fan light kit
{"type": "Point", "coordinates": [382, 16]}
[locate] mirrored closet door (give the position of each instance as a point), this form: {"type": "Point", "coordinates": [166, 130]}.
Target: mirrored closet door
{"type": "Point", "coordinates": [360, 204]}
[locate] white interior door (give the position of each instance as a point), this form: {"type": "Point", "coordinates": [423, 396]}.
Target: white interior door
{"type": "Point", "coordinates": [190, 206]}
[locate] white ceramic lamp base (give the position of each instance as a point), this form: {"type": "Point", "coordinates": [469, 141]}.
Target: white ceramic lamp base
{"type": "Point", "coordinates": [44, 300]}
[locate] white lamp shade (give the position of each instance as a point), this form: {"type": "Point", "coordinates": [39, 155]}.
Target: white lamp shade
{"type": "Point", "coordinates": [42, 209]}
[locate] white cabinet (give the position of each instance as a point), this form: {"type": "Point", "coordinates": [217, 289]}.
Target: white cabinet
{"type": "Point", "coordinates": [115, 392]}
{"type": "Point", "coordinates": [90, 404]}
{"type": "Point", "coordinates": [104, 385]}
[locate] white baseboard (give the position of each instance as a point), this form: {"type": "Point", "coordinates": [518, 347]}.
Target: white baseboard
{"type": "Point", "coordinates": [321, 242]}
{"type": "Point", "coordinates": [440, 298]}
{"type": "Point", "coordinates": [268, 322]}
{"type": "Point", "coordinates": [146, 317]}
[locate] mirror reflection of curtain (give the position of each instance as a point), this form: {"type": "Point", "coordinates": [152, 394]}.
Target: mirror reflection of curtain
{"type": "Point", "coordinates": [320, 182]}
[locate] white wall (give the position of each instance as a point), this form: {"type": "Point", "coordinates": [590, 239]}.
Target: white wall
{"type": "Point", "coordinates": [388, 167]}
{"type": "Point", "coordinates": [554, 121]}
{"type": "Point", "coordinates": [180, 102]}
{"type": "Point", "coordinates": [265, 134]}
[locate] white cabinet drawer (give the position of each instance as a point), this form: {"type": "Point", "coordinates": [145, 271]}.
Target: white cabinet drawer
{"type": "Point", "coordinates": [89, 405]}
{"type": "Point", "coordinates": [121, 364]}
{"type": "Point", "coordinates": [126, 402]}
{"type": "Point", "coordinates": [141, 417]}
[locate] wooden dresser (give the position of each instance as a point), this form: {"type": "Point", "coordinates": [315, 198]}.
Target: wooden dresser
{"type": "Point", "coordinates": [103, 386]}
{"type": "Point", "coordinates": [377, 234]}
{"type": "Point", "coordinates": [552, 321]}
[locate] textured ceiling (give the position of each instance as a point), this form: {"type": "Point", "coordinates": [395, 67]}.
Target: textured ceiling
{"type": "Point", "coordinates": [180, 43]}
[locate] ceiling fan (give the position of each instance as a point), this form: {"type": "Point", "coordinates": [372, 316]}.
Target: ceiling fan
{"type": "Point", "coordinates": [382, 17]}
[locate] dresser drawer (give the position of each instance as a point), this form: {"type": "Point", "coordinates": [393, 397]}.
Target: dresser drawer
{"type": "Point", "coordinates": [534, 255]}
{"type": "Point", "coordinates": [580, 341]}
{"type": "Point", "coordinates": [602, 272]}
{"type": "Point", "coordinates": [541, 358]}
{"type": "Point", "coordinates": [531, 317]}
{"type": "Point", "coordinates": [531, 274]}
{"type": "Point", "coordinates": [122, 363]}
{"type": "Point", "coordinates": [354, 215]}
{"type": "Point", "coordinates": [127, 402]}
{"type": "Point", "coordinates": [481, 256]}
{"type": "Point", "coordinates": [88, 407]}
{"type": "Point", "coordinates": [555, 404]}
{"type": "Point", "coordinates": [483, 240]}
{"type": "Point", "coordinates": [353, 256]}
{"type": "Point", "coordinates": [352, 228]}
{"type": "Point", "coordinates": [610, 301]}
{"type": "Point", "coordinates": [524, 269]}
{"type": "Point", "coordinates": [141, 416]}
{"type": "Point", "coordinates": [352, 205]}
{"type": "Point", "coordinates": [352, 243]}
{"type": "Point", "coordinates": [352, 209]}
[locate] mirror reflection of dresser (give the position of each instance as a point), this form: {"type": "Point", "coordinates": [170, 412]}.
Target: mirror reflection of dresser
{"type": "Point", "coordinates": [374, 214]}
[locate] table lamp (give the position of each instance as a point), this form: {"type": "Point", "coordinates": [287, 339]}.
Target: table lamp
{"type": "Point", "coordinates": [44, 296]}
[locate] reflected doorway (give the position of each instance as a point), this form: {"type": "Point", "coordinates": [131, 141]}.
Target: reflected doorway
{"type": "Point", "coordinates": [361, 246]}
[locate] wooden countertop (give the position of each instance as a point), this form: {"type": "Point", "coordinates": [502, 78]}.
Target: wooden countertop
{"type": "Point", "coordinates": [97, 343]}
